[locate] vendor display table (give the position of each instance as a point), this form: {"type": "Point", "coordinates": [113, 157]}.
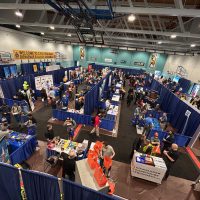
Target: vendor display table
{"type": "Point", "coordinates": [113, 110]}
{"type": "Point", "coordinates": [85, 176]}
{"type": "Point", "coordinates": [115, 99]}
{"type": "Point", "coordinates": [67, 145]}
{"type": "Point", "coordinates": [21, 149]}
{"type": "Point", "coordinates": [153, 171]}
{"type": "Point", "coordinates": [155, 123]}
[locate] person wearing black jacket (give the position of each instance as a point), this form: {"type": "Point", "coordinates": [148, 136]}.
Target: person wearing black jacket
{"type": "Point", "coordinates": [168, 141]}
{"type": "Point", "coordinates": [170, 157]}
{"type": "Point", "coordinates": [69, 165]}
{"type": "Point", "coordinates": [5, 111]}
{"type": "Point", "coordinates": [49, 135]}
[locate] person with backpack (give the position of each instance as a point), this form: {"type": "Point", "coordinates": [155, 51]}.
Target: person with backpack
{"type": "Point", "coordinates": [96, 122]}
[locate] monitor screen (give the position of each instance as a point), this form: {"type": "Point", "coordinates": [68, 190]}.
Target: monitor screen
{"type": "Point", "coordinates": [176, 78]}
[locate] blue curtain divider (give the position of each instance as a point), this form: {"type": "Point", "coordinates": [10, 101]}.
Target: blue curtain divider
{"type": "Point", "coordinates": [9, 182]}
{"type": "Point", "coordinates": [24, 152]}
{"type": "Point", "coordinates": [11, 86]}
{"type": "Point", "coordinates": [83, 119]}
{"type": "Point", "coordinates": [10, 102]}
{"type": "Point", "coordinates": [40, 186]}
{"type": "Point", "coordinates": [179, 139]}
{"type": "Point", "coordinates": [74, 191]}
{"type": "Point", "coordinates": [171, 104]}
{"type": "Point", "coordinates": [184, 84]}
{"type": "Point", "coordinates": [92, 96]}
{"type": "Point", "coordinates": [123, 69]}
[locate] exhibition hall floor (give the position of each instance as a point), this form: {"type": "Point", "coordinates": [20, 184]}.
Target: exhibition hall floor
{"type": "Point", "coordinates": [127, 187]}
{"type": "Point", "coordinates": [131, 188]}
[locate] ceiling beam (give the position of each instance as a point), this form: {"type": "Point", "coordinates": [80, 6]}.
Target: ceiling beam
{"type": "Point", "coordinates": [128, 10]}
{"type": "Point", "coordinates": [53, 33]}
{"type": "Point", "coordinates": [117, 30]}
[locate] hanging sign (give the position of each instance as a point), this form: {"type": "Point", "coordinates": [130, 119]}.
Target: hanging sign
{"type": "Point", "coordinates": [26, 54]}
{"type": "Point", "coordinates": [187, 113]}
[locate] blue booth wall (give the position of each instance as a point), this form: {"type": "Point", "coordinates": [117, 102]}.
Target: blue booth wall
{"type": "Point", "coordinates": [123, 58]}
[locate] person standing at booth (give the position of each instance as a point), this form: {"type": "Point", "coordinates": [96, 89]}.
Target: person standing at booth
{"type": "Point", "coordinates": [106, 152]}
{"type": "Point", "coordinates": [170, 157]}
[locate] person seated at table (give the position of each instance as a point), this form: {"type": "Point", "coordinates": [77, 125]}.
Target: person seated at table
{"type": "Point", "coordinates": [80, 103]}
{"type": "Point", "coordinates": [137, 111]}
{"type": "Point", "coordinates": [68, 167]}
{"type": "Point", "coordinates": [170, 157]}
{"type": "Point", "coordinates": [69, 123]}
{"type": "Point", "coordinates": [16, 111]}
{"type": "Point", "coordinates": [4, 129]}
{"type": "Point", "coordinates": [19, 95]}
{"type": "Point", "coordinates": [157, 107]}
{"type": "Point", "coordinates": [5, 111]}
{"type": "Point", "coordinates": [51, 93]}
{"type": "Point", "coordinates": [107, 103]}
{"type": "Point", "coordinates": [65, 101]}
{"type": "Point", "coordinates": [168, 141]}
{"type": "Point", "coordinates": [155, 140]}
{"type": "Point", "coordinates": [31, 121]}
{"type": "Point", "coordinates": [49, 134]}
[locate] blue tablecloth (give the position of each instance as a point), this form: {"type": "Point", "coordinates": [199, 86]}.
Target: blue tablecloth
{"type": "Point", "coordinates": [21, 150]}
{"type": "Point", "coordinates": [154, 122]}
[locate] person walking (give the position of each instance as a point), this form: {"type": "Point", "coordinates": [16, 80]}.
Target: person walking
{"type": "Point", "coordinates": [129, 99]}
{"type": "Point", "coordinates": [96, 123]}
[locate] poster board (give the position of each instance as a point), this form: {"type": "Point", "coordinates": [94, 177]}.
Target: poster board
{"type": "Point", "coordinates": [45, 81]}
{"type": "Point", "coordinates": [6, 72]}
{"type": "Point", "coordinates": [4, 155]}
{"type": "Point", "coordinates": [52, 68]}
{"type": "Point", "coordinates": [13, 70]}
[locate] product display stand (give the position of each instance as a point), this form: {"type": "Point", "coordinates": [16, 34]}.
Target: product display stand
{"type": "Point", "coordinates": [153, 171]}
{"type": "Point", "coordinates": [85, 176]}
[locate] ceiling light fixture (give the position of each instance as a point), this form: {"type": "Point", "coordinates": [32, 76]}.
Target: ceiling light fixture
{"type": "Point", "coordinates": [159, 42]}
{"type": "Point", "coordinates": [18, 26]}
{"type": "Point", "coordinates": [69, 34]}
{"type": "Point", "coordinates": [173, 36]}
{"type": "Point", "coordinates": [42, 33]}
{"type": "Point", "coordinates": [18, 13]}
{"type": "Point", "coordinates": [193, 45]}
{"type": "Point", "coordinates": [131, 18]}
{"type": "Point", "coordinates": [52, 27]}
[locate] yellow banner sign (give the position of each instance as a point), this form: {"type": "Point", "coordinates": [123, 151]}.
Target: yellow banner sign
{"type": "Point", "coordinates": [25, 54]}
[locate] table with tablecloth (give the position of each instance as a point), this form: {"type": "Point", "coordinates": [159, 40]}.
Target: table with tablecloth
{"type": "Point", "coordinates": [67, 145]}
{"type": "Point", "coordinates": [154, 122]}
{"type": "Point", "coordinates": [21, 149]}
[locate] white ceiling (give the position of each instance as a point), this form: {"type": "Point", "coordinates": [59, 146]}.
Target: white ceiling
{"type": "Point", "coordinates": [156, 21]}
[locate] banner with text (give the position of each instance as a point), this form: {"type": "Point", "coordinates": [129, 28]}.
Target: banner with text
{"type": "Point", "coordinates": [26, 54]}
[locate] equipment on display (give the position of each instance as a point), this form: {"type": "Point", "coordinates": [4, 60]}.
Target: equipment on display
{"type": "Point", "coordinates": [4, 155]}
